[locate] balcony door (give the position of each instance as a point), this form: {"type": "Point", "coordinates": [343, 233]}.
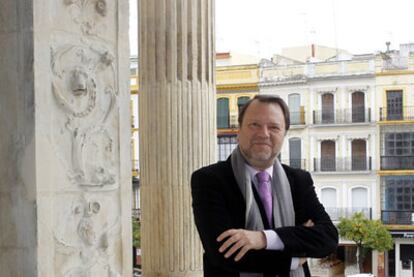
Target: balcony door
{"type": "Point", "coordinates": [394, 105]}
{"type": "Point", "coordinates": [328, 158]}
{"type": "Point", "coordinates": [328, 115]}
{"type": "Point", "coordinates": [294, 108]}
{"type": "Point", "coordinates": [358, 106]}
{"type": "Point", "coordinates": [359, 154]}
{"type": "Point", "coordinates": [295, 152]}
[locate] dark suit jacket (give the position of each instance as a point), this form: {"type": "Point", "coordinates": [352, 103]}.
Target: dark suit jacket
{"type": "Point", "coordinates": [218, 205]}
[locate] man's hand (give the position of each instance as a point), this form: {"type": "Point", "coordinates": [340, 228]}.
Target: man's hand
{"type": "Point", "coordinates": [309, 223]}
{"type": "Point", "coordinates": [243, 240]}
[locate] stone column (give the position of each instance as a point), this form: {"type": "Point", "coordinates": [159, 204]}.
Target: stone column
{"type": "Point", "coordinates": [65, 173]}
{"type": "Point", "coordinates": [177, 128]}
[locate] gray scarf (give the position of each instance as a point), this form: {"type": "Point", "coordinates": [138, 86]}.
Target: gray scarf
{"type": "Point", "coordinates": [283, 211]}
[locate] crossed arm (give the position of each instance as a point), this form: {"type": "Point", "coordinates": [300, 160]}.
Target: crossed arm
{"type": "Point", "coordinates": [222, 238]}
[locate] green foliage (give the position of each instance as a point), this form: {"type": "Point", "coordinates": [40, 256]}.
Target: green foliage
{"type": "Point", "coordinates": [368, 234]}
{"type": "Point", "coordinates": [136, 233]}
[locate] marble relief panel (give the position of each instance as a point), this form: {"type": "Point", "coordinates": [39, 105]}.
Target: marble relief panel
{"type": "Point", "coordinates": [94, 18]}
{"type": "Point", "coordinates": [87, 241]}
{"type": "Point", "coordinates": [85, 127]}
{"type": "Point", "coordinates": [84, 92]}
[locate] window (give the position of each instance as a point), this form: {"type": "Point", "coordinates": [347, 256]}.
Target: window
{"type": "Point", "coordinates": [359, 154]}
{"type": "Point", "coordinates": [398, 151]}
{"type": "Point", "coordinates": [328, 115]}
{"type": "Point", "coordinates": [399, 144]}
{"type": "Point", "coordinates": [328, 198]}
{"type": "Point", "coordinates": [359, 199]}
{"type": "Point", "coordinates": [241, 101]}
{"type": "Point", "coordinates": [295, 154]}
{"type": "Point", "coordinates": [358, 107]}
{"type": "Point", "coordinates": [394, 105]}
{"type": "Point", "coordinates": [399, 193]}
{"type": "Point", "coordinates": [226, 145]}
{"type": "Point", "coordinates": [294, 108]}
{"type": "Point", "coordinates": [328, 160]}
{"type": "Point", "coordinates": [223, 116]}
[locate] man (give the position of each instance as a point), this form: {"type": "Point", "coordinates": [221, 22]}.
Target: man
{"type": "Point", "coordinates": [255, 216]}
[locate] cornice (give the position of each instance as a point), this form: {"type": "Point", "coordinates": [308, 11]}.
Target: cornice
{"type": "Point", "coordinates": [236, 67]}
{"type": "Point", "coordinates": [395, 72]}
{"type": "Point", "coordinates": [395, 172]}
{"type": "Point", "coordinates": [247, 86]}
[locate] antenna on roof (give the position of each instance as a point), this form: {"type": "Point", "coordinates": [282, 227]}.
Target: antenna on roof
{"type": "Point", "coordinates": [335, 31]}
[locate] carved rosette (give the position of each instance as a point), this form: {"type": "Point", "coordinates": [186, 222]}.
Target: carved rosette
{"type": "Point", "coordinates": [83, 89]}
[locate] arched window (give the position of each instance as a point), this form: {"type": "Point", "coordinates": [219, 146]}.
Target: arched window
{"type": "Point", "coordinates": [328, 199]}
{"type": "Point", "coordinates": [358, 107]}
{"type": "Point", "coordinates": [223, 116]}
{"type": "Point", "coordinates": [360, 201]}
{"type": "Point", "coordinates": [359, 198]}
{"type": "Point", "coordinates": [241, 101]}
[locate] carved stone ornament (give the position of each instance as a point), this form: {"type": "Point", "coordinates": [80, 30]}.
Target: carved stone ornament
{"type": "Point", "coordinates": [83, 89]}
{"type": "Point", "coordinates": [87, 13]}
{"type": "Point", "coordinates": [87, 239]}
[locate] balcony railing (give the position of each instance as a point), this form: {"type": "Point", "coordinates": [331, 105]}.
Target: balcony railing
{"type": "Point", "coordinates": [342, 164]}
{"type": "Point", "coordinates": [397, 217]}
{"type": "Point", "coordinates": [337, 213]}
{"type": "Point", "coordinates": [400, 113]}
{"type": "Point", "coordinates": [296, 163]}
{"type": "Point", "coordinates": [397, 162]}
{"type": "Point", "coordinates": [355, 115]}
{"type": "Point", "coordinates": [136, 213]}
{"type": "Point", "coordinates": [297, 118]}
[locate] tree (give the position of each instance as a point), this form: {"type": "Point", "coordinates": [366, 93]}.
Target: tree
{"type": "Point", "coordinates": [136, 233]}
{"type": "Point", "coordinates": [367, 234]}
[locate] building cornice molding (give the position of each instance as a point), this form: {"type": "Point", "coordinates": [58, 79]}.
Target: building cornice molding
{"type": "Point", "coordinates": [248, 86]}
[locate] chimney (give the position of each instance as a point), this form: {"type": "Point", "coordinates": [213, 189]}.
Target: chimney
{"type": "Point", "coordinates": [313, 50]}
{"type": "Point", "coordinates": [388, 46]}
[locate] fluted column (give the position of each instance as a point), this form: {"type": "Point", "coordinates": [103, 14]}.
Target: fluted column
{"type": "Point", "coordinates": [177, 128]}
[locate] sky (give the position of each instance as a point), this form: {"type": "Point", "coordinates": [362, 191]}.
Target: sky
{"type": "Point", "coordinates": [263, 27]}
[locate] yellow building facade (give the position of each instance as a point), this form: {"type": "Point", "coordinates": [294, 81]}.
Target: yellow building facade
{"type": "Point", "coordinates": [395, 99]}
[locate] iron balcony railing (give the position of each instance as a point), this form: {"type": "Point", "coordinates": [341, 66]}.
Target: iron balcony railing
{"type": "Point", "coordinates": [397, 162]}
{"type": "Point", "coordinates": [355, 115]}
{"type": "Point", "coordinates": [397, 113]}
{"type": "Point", "coordinates": [342, 164]}
{"type": "Point", "coordinates": [397, 217]}
{"type": "Point", "coordinates": [296, 163]}
{"type": "Point", "coordinates": [337, 213]}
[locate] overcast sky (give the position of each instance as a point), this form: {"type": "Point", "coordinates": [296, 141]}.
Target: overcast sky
{"type": "Point", "coordinates": [263, 27]}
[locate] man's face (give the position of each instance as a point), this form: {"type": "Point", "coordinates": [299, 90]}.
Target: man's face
{"type": "Point", "coordinates": [261, 133]}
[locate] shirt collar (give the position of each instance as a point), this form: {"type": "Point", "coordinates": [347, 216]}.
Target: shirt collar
{"type": "Point", "coordinates": [253, 171]}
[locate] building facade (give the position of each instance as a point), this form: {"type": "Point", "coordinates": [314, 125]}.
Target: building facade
{"type": "Point", "coordinates": [395, 101]}
{"type": "Point", "coordinates": [333, 134]}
